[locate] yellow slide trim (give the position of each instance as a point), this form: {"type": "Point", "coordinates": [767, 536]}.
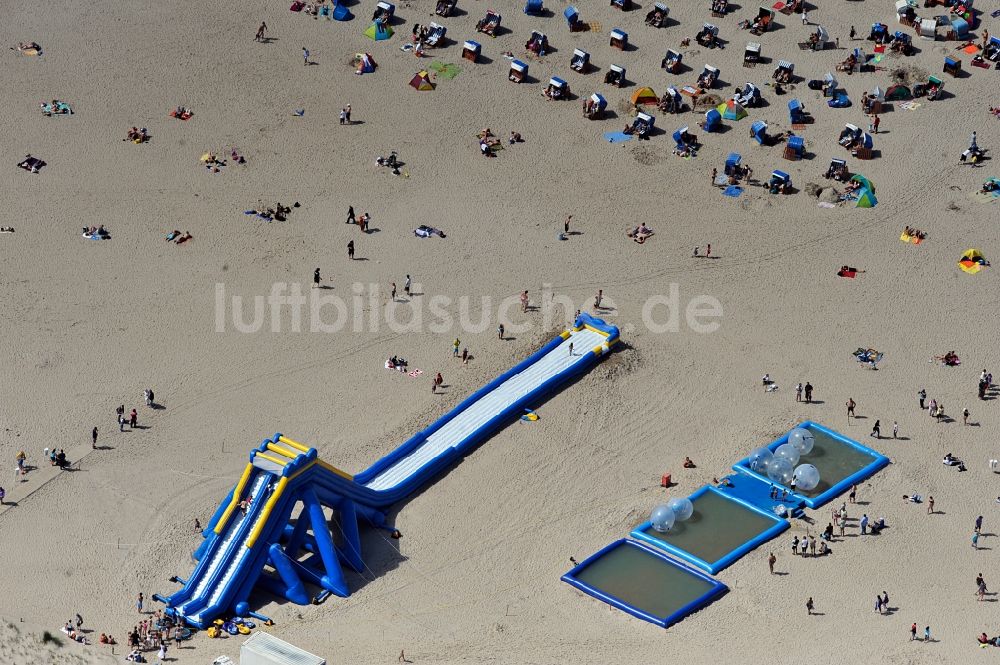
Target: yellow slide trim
{"type": "Point", "coordinates": [565, 334]}
{"type": "Point", "coordinates": [293, 444]}
{"type": "Point", "coordinates": [240, 486]}
{"type": "Point", "coordinates": [598, 350]}
{"type": "Point", "coordinates": [276, 460]}
{"type": "Point", "coordinates": [282, 451]}
{"type": "Point", "coordinates": [593, 329]}
{"type": "Point", "coordinates": [268, 507]}
{"type": "Point", "coordinates": [331, 468]}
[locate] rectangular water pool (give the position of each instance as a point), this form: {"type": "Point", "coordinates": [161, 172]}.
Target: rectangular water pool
{"type": "Point", "coordinates": [841, 462]}
{"type": "Point", "coordinates": [721, 530]}
{"type": "Point", "coordinates": [644, 582]}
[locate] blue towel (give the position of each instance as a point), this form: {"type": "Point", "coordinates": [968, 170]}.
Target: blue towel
{"type": "Point", "coordinates": [733, 190]}
{"type": "Point", "coordinates": [617, 137]}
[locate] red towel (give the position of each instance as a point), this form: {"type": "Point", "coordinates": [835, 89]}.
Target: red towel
{"type": "Point", "coordinates": [847, 273]}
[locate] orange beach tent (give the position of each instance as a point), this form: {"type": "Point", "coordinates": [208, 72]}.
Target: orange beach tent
{"type": "Point", "coordinates": [644, 95]}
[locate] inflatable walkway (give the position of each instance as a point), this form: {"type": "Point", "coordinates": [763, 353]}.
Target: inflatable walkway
{"type": "Point", "coordinates": [253, 527]}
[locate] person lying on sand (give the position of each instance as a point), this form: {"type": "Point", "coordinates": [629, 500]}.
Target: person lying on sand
{"type": "Point", "coordinates": [640, 233]}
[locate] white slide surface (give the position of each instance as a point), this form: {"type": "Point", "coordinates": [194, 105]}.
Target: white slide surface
{"type": "Point", "coordinates": [476, 415]}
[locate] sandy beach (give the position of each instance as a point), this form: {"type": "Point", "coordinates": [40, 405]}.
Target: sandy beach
{"type": "Point", "coordinates": [88, 325]}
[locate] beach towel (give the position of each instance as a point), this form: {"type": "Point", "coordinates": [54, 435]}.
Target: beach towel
{"type": "Point", "coordinates": [446, 70]}
{"type": "Point", "coordinates": [850, 274]}
{"type": "Point", "coordinates": [617, 137]}
{"type": "Point", "coordinates": [908, 238]}
{"type": "Point", "coordinates": [415, 373]}
{"type": "Point", "coordinates": [733, 191]}
{"type": "Point", "coordinates": [297, 6]}
{"type": "Point", "coordinates": [32, 164]}
{"type": "Point", "coordinates": [826, 204]}
{"type": "Point", "coordinates": [910, 106]}
{"type": "Point", "coordinates": [880, 48]}
{"type": "Point", "coordinates": [870, 356]}
{"type": "Point", "coordinates": [971, 49]}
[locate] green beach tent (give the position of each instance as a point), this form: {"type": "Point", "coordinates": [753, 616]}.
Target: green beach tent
{"type": "Point", "coordinates": [865, 182]}
{"type": "Point", "coordinates": [866, 199]}
{"type": "Point", "coordinates": [379, 31]}
{"type": "Point", "coordinates": [731, 110]}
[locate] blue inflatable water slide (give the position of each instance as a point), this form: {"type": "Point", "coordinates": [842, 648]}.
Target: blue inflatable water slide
{"type": "Point", "coordinates": [253, 527]}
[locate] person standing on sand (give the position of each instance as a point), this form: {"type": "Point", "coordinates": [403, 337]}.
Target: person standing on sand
{"type": "Point", "coordinates": [350, 250]}
{"type": "Point", "coordinates": [465, 356]}
{"type": "Point", "coordinates": [316, 278]}
{"type": "Point", "coordinates": [708, 250]}
{"type": "Point", "coordinates": [138, 603]}
{"type": "Point", "coordinates": [260, 32]}
{"type": "Point", "coordinates": [305, 56]}
{"type": "Point", "coordinates": [350, 215]}
{"type": "Point", "coordinates": [93, 439]}
{"type": "Point", "coordinates": [524, 300]}
{"type": "Point", "coordinates": [715, 174]}
{"type": "Point", "coordinates": [965, 416]}
{"type": "Point", "coordinates": [913, 631]}
{"type": "Point", "coordinates": [598, 298]}
{"type": "Point", "coordinates": [975, 540]}
{"type": "Point", "coordinates": [850, 408]}
{"type": "Point", "coordinates": [500, 331]}
{"type": "Point", "coordinates": [809, 606]}
{"type": "Point", "coordinates": [927, 633]}
{"type": "Point", "coordinates": [895, 429]}
{"type": "Point", "coordinates": [454, 347]}
{"type": "Point", "coordinates": [566, 224]}
{"type": "Point", "coordinates": [406, 286]}
{"type": "Point", "coordinates": [133, 418]}
{"type": "Point", "coordinates": [392, 291]}
{"type": "Point", "coordinates": [854, 494]}
{"type": "Point", "coordinates": [3, 493]}
{"type": "Point", "coordinates": [877, 429]}
{"type": "Point", "coordinates": [798, 392]}
{"type": "Point", "coordinates": [930, 505]}
{"type": "Point", "coordinates": [347, 114]}
{"type": "Point", "coordinates": [809, 393]}
{"type": "Point", "coordinates": [979, 524]}
{"type": "Point", "coordinates": [771, 559]}
{"type": "Point", "coordinates": [923, 396]}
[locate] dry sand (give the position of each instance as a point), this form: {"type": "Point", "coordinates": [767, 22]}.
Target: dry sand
{"type": "Point", "coordinates": [475, 578]}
